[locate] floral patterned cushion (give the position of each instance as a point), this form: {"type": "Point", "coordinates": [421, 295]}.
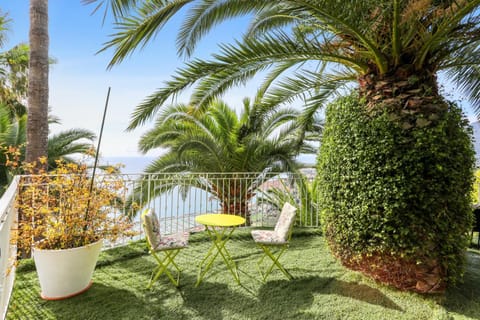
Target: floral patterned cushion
{"type": "Point", "coordinates": [267, 237]}
{"type": "Point", "coordinates": [285, 221]}
{"type": "Point", "coordinates": [174, 241]}
{"type": "Point", "coordinates": [280, 234]}
{"type": "Point", "coordinates": [151, 226]}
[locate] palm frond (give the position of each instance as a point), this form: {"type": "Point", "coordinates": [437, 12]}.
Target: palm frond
{"type": "Point", "coordinates": [234, 65]}
{"type": "Point", "coordinates": [278, 16]}
{"type": "Point", "coordinates": [137, 30]}
{"type": "Point", "coordinates": [67, 143]}
{"type": "Point", "coordinates": [4, 25]}
{"type": "Point", "coordinates": [443, 27]}
{"type": "Point", "coordinates": [310, 87]}
{"type": "Point", "coordinates": [206, 15]}
{"type": "Point", "coordinates": [118, 8]}
{"type": "Point", "coordinates": [464, 71]}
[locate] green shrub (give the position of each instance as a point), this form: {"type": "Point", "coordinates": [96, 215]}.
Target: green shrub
{"type": "Point", "coordinates": [396, 198]}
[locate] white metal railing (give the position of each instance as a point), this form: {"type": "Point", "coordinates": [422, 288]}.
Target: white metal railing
{"type": "Point", "coordinates": [177, 198]}
{"type": "Point", "coordinates": [256, 196]}
{"type": "Point", "coordinates": [8, 252]}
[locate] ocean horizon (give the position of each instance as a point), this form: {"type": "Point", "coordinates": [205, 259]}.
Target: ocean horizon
{"type": "Point", "coordinates": [130, 164]}
{"type": "Point", "coordinates": [137, 164]}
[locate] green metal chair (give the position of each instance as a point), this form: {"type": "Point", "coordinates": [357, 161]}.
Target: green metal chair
{"type": "Point", "coordinates": [275, 242]}
{"type": "Point", "coordinates": [164, 249]}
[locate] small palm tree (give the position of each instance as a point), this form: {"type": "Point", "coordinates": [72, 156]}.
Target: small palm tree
{"type": "Point", "coordinates": [233, 150]}
{"type": "Point", "coordinates": [298, 189]}
{"type": "Point", "coordinates": [13, 137]}
{"type": "Point", "coordinates": [13, 78]}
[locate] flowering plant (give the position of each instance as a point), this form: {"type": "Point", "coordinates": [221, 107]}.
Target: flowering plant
{"type": "Point", "coordinates": [64, 209]}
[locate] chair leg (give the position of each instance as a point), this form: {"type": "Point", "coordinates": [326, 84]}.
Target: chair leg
{"type": "Point", "coordinates": [275, 262]}
{"type": "Point", "coordinates": [162, 267]}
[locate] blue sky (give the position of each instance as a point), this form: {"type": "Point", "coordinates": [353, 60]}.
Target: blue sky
{"type": "Point", "coordinates": [79, 80]}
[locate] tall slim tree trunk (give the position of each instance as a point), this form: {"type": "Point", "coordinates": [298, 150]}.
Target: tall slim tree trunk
{"type": "Point", "coordinates": [37, 124]}
{"type": "Point", "coordinates": [37, 113]}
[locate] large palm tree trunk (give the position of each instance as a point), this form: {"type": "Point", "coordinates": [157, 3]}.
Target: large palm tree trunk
{"type": "Point", "coordinates": [405, 92]}
{"type": "Point", "coordinates": [37, 125]}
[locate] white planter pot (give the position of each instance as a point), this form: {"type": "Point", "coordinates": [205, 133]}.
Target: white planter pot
{"type": "Point", "coordinates": [67, 272]}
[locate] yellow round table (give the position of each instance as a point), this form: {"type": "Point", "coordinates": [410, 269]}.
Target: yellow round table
{"type": "Point", "coordinates": [220, 220]}
{"type": "Point", "coordinates": [219, 228]}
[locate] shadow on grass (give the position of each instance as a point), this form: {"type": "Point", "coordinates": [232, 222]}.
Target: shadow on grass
{"type": "Point", "coordinates": [465, 297]}
{"type": "Point", "coordinates": [112, 303]}
{"type": "Point", "coordinates": [213, 300]}
{"type": "Point", "coordinates": [132, 251]}
{"type": "Point", "coordinates": [301, 290]}
{"type": "Point", "coordinates": [288, 299]}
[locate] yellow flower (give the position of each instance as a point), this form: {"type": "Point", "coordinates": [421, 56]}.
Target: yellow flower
{"type": "Point", "coordinates": [62, 209]}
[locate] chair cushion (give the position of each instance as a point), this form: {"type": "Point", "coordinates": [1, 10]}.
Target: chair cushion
{"type": "Point", "coordinates": [267, 237]}
{"type": "Point", "coordinates": [173, 241]}
{"type": "Point", "coordinates": [151, 226]}
{"type": "Point", "coordinates": [285, 221]}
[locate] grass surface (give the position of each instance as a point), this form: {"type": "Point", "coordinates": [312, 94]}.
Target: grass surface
{"type": "Point", "coordinates": [321, 289]}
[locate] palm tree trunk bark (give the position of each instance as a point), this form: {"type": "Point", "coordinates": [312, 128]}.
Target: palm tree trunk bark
{"type": "Point", "coordinates": [405, 92]}
{"type": "Point", "coordinates": [37, 123]}
{"type": "Point", "coordinates": [37, 113]}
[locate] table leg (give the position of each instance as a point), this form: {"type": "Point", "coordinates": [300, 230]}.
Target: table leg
{"type": "Point", "coordinates": [219, 237]}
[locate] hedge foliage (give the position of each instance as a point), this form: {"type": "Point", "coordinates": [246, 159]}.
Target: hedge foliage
{"type": "Point", "coordinates": [396, 199]}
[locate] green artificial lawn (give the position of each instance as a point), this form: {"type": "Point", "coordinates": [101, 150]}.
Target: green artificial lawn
{"type": "Point", "coordinates": [321, 288]}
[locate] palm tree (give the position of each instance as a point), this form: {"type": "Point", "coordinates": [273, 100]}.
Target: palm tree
{"type": "Point", "coordinates": [37, 126]}
{"type": "Point", "coordinates": [13, 78]}
{"type": "Point", "coordinates": [299, 190]}
{"type": "Point", "coordinates": [13, 75]}
{"type": "Point", "coordinates": [4, 21]}
{"type": "Point", "coordinates": [377, 45]}
{"type": "Point", "coordinates": [234, 151]}
{"type": "Point", "coordinates": [391, 51]}
{"type": "Point", "coordinates": [62, 145]}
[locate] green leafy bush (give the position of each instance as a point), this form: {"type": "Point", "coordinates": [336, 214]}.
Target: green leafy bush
{"type": "Point", "coordinates": [396, 198]}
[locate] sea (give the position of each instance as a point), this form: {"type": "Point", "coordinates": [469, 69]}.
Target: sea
{"type": "Point", "coordinates": [137, 164]}
{"type": "Point", "coordinates": [129, 165]}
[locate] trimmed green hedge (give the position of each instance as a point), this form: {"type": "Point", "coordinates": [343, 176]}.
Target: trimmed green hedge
{"type": "Point", "coordinates": [396, 198]}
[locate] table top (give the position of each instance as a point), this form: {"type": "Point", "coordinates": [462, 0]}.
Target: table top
{"type": "Point", "coordinates": [220, 220]}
